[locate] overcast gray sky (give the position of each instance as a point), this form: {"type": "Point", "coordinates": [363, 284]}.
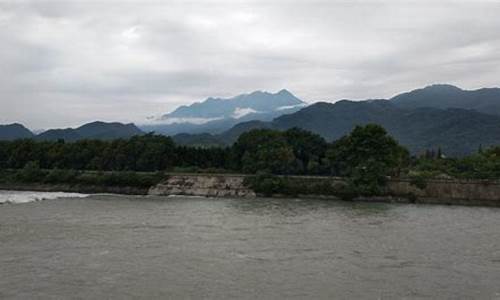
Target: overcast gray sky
{"type": "Point", "coordinates": [63, 63]}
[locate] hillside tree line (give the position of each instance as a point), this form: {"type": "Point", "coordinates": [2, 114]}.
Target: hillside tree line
{"type": "Point", "coordinates": [368, 153]}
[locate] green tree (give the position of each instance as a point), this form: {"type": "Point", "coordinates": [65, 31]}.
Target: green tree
{"type": "Point", "coordinates": [309, 149]}
{"type": "Point", "coordinates": [263, 150]}
{"type": "Point", "coordinates": [366, 157]}
{"type": "Point", "coordinates": [31, 173]}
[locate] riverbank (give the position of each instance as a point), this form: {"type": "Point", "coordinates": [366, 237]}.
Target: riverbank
{"type": "Point", "coordinates": [398, 190]}
{"type": "Point", "coordinates": [88, 182]}
{"type": "Point", "coordinates": [445, 192]}
{"type": "Point", "coordinates": [468, 192]}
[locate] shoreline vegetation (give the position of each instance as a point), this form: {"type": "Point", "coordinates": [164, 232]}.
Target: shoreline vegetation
{"type": "Point", "coordinates": [286, 163]}
{"type": "Point", "coordinates": [32, 178]}
{"type": "Point", "coordinates": [468, 192]}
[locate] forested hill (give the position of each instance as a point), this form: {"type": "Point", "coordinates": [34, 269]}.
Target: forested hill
{"type": "Point", "coordinates": [485, 100]}
{"type": "Point", "coordinates": [14, 131]}
{"type": "Point", "coordinates": [94, 130]}
{"type": "Point", "coordinates": [456, 131]}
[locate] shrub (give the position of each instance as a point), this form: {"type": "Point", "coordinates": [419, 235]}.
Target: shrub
{"type": "Point", "coordinates": [266, 184]}
{"type": "Point", "coordinates": [61, 176]}
{"type": "Point", "coordinates": [419, 180]}
{"type": "Point", "coordinates": [30, 173]}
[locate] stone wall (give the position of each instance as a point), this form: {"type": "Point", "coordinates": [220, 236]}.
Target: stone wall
{"type": "Point", "coordinates": [463, 192]}
{"type": "Point", "coordinates": [468, 192]}
{"type": "Point", "coordinates": [203, 185]}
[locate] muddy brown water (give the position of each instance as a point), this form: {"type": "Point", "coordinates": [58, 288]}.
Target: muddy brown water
{"type": "Point", "coordinates": [122, 247]}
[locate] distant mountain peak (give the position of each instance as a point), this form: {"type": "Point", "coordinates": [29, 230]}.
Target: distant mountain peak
{"type": "Point", "coordinates": [258, 103]}
{"type": "Point", "coordinates": [14, 131]}
{"type": "Point", "coordinates": [442, 87]}
{"type": "Point", "coordinates": [94, 130]}
{"type": "Point", "coordinates": [285, 92]}
{"type": "Point", "coordinates": [254, 93]}
{"type": "Point", "coordinates": [485, 100]}
{"type": "Point", "coordinates": [430, 91]}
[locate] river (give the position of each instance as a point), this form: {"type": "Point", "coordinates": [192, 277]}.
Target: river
{"type": "Point", "coordinates": [123, 247]}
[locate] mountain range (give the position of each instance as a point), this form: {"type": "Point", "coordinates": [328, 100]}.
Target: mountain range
{"type": "Point", "coordinates": [94, 130]}
{"type": "Point", "coordinates": [438, 116]}
{"type": "Point", "coordinates": [216, 115]}
{"type": "Point", "coordinates": [422, 119]}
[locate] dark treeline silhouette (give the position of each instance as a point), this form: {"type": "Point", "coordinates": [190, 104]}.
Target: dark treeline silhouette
{"type": "Point", "coordinates": [294, 151]}
{"type": "Point", "coordinates": [140, 153]}
{"type": "Point", "coordinates": [368, 153]}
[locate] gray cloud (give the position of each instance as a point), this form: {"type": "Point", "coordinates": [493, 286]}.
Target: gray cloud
{"type": "Point", "coordinates": [67, 62]}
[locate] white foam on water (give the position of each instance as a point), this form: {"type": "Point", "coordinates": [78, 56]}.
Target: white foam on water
{"type": "Point", "coordinates": [26, 196]}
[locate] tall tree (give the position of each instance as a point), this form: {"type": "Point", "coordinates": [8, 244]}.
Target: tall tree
{"type": "Point", "coordinates": [367, 156]}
